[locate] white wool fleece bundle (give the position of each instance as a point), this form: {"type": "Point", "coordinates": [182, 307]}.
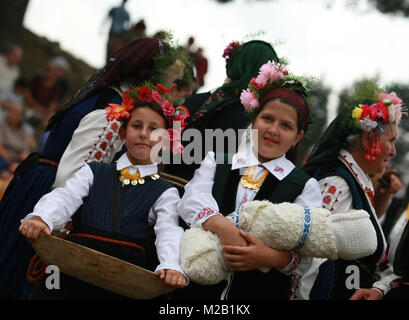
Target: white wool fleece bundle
{"type": "Point", "coordinates": [310, 231]}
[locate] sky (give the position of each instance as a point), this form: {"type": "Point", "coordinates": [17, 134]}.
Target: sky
{"type": "Point", "coordinates": [324, 39]}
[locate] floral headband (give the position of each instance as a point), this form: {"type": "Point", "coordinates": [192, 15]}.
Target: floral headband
{"type": "Point", "coordinates": [387, 109]}
{"type": "Point", "coordinates": [272, 75]}
{"type": "Point", "coordinates": [231, 49]}
{"type": "Point", "coordinates": [175, 115]}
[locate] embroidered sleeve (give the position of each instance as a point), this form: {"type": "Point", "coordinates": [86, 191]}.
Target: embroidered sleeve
{"type": "Point", "coordinates": [336, 195]}
{"type": "Point", "coordinates": [203, 215]}
{"type": "Point", "coordinates": [95, 139]}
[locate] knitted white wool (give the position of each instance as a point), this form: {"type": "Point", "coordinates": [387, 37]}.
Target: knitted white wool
{"type": "Point", "coordinates": [344, 235]}
{"type": "Point", "coordinates": [280, 225]}
{"type": "Point", "coordinates": [201, 257]}
{"type": "Point", "coordinates": [354, 233]}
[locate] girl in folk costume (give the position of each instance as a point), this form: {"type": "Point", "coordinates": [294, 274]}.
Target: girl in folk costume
{"type": "Point", "coordinates": [358, 142]}
{"type": "Point", "coordinates": [77, 134]}
{"type": "Point", "coordinates": [281, 115]}
{"type": "Point", "coordinates": [138, 207]}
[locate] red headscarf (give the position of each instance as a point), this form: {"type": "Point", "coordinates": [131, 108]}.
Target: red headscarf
{"type": "Point", "coordinates": [296, 99]}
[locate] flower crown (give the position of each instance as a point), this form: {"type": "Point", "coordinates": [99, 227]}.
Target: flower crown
{"type": "Point", "coordinates": [388, 108]}
{"type": "Point", "coordinates": [271, 75]}
{"type": "Point", "coordinates": [175, 115]}
{"type": "Point", "coordinates": [231, 49]}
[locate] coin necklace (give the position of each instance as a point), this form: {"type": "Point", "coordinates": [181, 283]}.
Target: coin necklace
{"type": "Point", "coordinates": [248, 182]}
{"type": "Point", "coordinates": [134, 178]}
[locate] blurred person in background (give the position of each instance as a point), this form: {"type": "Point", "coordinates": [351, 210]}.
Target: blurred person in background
{"type": "Point", "coordinates": [9, 66]}
{"type": "Point", "coordinates": [47, 90]}
{"type": "Point", "coordinates": [119, 24]}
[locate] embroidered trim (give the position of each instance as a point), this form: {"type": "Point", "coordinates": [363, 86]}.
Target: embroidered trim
{"type": "Point", "coordinates": [306, 229]}
{"type": "Point", "coordinates": [205, 213]}
{"type": "Point", "coordinates": [294, 286]}
{"type": "Point", "coordinates": [105, 142]}
{"type": "Point", "coordinates": [394, 284]}
{"type": "Point", "coordinates": [295, 261]}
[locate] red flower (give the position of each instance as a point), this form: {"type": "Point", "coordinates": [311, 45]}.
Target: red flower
{"type": "Point", "coordinates": [382, 112]}
{"type": "Point", "coordinates": [366, 111]}
{"type": "Point", "coordinates": [144, 94]}
{"type": "Point", "coordinates": [127, 100]}
{"type": "Point", "coordinates": [117, 112]}
{"type": "Point", "coordinates": [186, 110]}
{"type": "Point", "coordinates": [161, 89]}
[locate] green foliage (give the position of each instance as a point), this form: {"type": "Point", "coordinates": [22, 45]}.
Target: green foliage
{"type": "Point", "coordinates": [318, 100]}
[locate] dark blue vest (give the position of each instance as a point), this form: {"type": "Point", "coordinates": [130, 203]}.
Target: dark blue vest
{"type": "Point", "coordinates": [134, 203]}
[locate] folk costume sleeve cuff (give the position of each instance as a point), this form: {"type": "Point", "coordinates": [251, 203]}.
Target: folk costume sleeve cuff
{"type": "Point", "coordinates": [57, 206]}
{"type": "Point", "coordinates": [388, 280]}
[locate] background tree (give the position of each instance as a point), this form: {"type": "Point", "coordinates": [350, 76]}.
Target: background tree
{"type": "Point", "coordinates": [11, 22]}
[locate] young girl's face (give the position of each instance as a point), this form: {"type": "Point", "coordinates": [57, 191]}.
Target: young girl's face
{"type": "Point", "coordinates": [277, 130]}
{"type": "Point", "coordinates": [138, 135]}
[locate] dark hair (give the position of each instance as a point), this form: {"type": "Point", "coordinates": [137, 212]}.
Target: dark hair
{"type": "Point", "coordinates": [151, 105]}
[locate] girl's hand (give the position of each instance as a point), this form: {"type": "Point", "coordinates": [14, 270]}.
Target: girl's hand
{"type": "Point", "coordinates": [172, 278]}
{"type": "Point", "coordinates": [366, 294]}
{"type": "Point", "coordinates": [31, 228]}
{"type": "Point", "coordinates": [256, 255]}
{"type": "Point", "coordinates": [227, 232]}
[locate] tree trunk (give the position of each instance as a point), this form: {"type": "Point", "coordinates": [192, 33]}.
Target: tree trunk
{"type": "Point", "coordinates": [11, 22]}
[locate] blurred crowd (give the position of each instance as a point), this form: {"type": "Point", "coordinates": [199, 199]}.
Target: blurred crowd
{"type": "Point", "coordinates": [26, 104]}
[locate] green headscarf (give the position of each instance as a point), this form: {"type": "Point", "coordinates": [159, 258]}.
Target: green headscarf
{"type": "Point", "coordinates": [240, 68]}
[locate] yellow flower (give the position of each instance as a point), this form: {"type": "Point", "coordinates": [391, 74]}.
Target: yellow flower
{"type": "Point", "coordinates": [356, 114]}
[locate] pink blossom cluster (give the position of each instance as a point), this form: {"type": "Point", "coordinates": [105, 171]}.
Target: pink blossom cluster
{"type": "Point", "coordinates": [269, 73]}
{"type": "Point", "coordinates": [393, 102]}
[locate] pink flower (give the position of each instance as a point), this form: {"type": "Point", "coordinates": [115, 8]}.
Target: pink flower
{"type": "Point", "coordinates": [397, 104]}
{"type": "Point", "coordinates": [168, 108]}
{"type": "Point", "coordinates": [177, 147]}
{"type": "Point", "coordinates": [156, 96]}
{"type": "Point", "coordinates": [392, 97]}
{"type": "Point", "coordinates": [248, 100]}
{"type": "Point", "coordinates": [398, 113]}
{"type": "Point", "coordinates": [269, 72]}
